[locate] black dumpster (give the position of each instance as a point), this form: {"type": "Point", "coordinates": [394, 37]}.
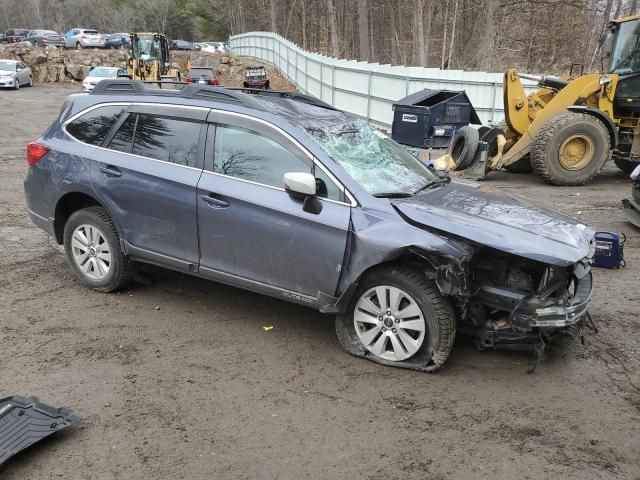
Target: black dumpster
{"type": "Point", "coordinates": [430, 118]}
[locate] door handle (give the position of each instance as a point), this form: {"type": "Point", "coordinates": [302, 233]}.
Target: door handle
{"type": "Point", "coordinates": [214, 202]}
{"type": "Point", "coordinates": [111, 171]}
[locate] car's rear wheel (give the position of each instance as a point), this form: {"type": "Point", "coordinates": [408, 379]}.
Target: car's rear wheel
{"type": "Point", "coordinates": [92, 245]}
{"type": "Point", "coordinates": [30, 84]}
{"type": "Point", "coordinates": [398, 315]}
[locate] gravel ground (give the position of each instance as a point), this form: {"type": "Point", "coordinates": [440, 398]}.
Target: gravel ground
{"type": "Point", "coordinates": [178, 379]}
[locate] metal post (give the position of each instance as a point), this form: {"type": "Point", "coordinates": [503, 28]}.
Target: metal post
{"type": "Point", "coordinates": [493, 100]}
{"type": "Point", "coordinates": [369, 97]}
{"type": "Point", "coordinates": [406, 87]}
{"type": "Point", "coordinates": [333, 85]}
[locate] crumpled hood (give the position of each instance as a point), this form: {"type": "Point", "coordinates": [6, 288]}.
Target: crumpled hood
{"type": "Point", "coordinates": [502, 221]}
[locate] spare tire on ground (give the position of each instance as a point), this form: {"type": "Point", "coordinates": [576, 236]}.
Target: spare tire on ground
{"type": "Point", "coordinates": [464, 146]}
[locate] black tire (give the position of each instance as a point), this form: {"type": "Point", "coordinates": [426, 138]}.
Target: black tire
{"type": "Point", "coordinates": [120, 268]}
{"type": "Point", "coordinates": [437, 311]}
{"type": "Point", "coordinates": [464, 146]}
{"type": "Point", "coordinates": [521, 166]}
{"type": "Point", "coordinates": [545, 150]}
{"type": "Point", "coordinates": [30, 84]}
{"type": "Point", "coordinates": [624, 165]}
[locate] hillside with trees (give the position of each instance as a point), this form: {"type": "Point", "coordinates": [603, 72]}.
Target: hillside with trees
{"type": "Point", "coordinates": [490, 35]}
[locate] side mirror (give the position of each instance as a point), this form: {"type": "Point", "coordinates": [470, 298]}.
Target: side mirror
{"type": "Point", "coordinates": [299, 183]}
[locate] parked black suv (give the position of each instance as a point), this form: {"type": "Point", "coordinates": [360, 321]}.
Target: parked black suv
{"type": "Point", "coordinates": [282, 194]}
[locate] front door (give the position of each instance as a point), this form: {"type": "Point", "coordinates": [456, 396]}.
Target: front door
{"type": "Point", "coordinates": [252, 232]}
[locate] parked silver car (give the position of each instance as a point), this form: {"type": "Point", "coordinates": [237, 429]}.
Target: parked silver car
{"type": "Point", "coordinates": [40, 38]}
{"type": "Point", "coordinates": [83, 38]}
{"type": "Point", "coordinates": [15, 74]}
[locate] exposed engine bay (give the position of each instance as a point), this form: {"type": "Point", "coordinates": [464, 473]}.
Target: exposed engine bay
{"type": "Point", "coordinates": [516, 303]}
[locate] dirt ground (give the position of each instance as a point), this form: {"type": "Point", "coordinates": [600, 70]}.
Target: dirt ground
{"type": "Point", "coordinates": [178, 379]}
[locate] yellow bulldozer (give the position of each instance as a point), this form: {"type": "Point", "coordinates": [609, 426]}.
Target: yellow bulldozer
{"type": "Point", "coordinates": [570, 126]}
{"type": "Point", "coordinates": [149, 59]}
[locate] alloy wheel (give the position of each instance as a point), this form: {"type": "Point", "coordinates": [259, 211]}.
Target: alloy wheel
{"type": "Point", "coordinates": [389, 323]}
{"type": "Point", "coordinates": [91, 252]}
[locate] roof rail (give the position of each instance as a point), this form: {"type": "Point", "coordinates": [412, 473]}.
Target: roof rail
{"type": "Point", "coordinates": [236, 95]}
{"type": "Point", "coordinates": [300, 97]}
{"type": "Point", "coordinates": [188, 90]}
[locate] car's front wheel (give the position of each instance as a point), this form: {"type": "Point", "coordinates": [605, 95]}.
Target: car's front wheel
{"type": "Point", "coordinates": [92, 245]}
{"type": "Point", "coordinates": [398, 316]}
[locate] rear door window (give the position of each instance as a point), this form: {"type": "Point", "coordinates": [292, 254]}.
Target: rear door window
{"type": "Point", "coordinates": [167, 139]}
{"type": "Point", "coordinates": [94, 126]}
{"type": "Point", "coordinates": [122, 141]}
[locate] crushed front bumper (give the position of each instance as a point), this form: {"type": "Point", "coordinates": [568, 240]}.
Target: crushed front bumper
{"type": "Point", "coordinates": [571, 312]}
{"type": "Point", "coordinates": [531, 311]}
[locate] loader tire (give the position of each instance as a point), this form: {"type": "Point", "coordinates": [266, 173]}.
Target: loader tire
{"type": "Point", "coordinates": [570, 149]}
{"type": "Point", "coordinates": [624, 165]}
{"type": "Point", "coordinates": [464, 147]}
{"type": "Point", "coordinates": [521, 166]}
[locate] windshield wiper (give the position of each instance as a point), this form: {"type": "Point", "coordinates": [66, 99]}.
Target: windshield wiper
{"type": "Point", "coordinates": [433, 183]}
{"type": "Point", "coordinates": [393, 195]}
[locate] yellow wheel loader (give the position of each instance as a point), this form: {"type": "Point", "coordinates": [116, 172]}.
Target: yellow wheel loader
{"type": "Point", "coordinates": [149, 59]}
{"type": "Point", "coordinates": [567, 129]}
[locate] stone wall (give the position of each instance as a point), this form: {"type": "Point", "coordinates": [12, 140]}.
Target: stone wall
{"type": "Point", "coordinates": [51, 64]}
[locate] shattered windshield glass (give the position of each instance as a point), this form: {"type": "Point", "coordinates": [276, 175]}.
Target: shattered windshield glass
{"type": "Point", "coordinates": [376, 162]}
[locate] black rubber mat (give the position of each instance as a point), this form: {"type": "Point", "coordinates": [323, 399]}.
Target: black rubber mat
{"type": "Point", "coordinates": [25, 421]}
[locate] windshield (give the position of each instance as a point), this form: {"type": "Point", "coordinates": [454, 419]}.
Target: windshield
{"type": "Point", "coordinates": [376, 162]}
{"type": "Point", "coordinates": [625, 57]}
{"type": "Point", "coordinates": [147, 48]}
{"type": "Point", "coordinates": [8, 66]}
{"type": "Point", "coordinates": [103, 72]}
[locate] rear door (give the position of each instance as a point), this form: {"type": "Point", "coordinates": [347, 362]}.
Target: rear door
{"type": "Point", "coordinates": [255, 234]}
{"type": "Point", "coordinates": [146, 174]}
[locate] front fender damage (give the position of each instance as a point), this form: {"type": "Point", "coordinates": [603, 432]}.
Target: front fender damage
{"type": "Point", "coordinates": [446, 259]}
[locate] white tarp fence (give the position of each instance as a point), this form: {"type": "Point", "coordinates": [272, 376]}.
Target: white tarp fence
{"type": "Point", "coordinates": [368, 89]}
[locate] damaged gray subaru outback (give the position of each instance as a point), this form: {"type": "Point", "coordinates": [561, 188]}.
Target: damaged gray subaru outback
{"type": "Point", "coordinates": [282, 194]}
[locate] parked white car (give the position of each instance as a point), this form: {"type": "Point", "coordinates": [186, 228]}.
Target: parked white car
{"type": "Point", "coordinates": [214, 47]}
{"type": "Point", "coordinates": [100, 73]}
{"type": "Point", "coordinates": [83, 38]}
{"type": "Point", "coordinates": [15, 74]}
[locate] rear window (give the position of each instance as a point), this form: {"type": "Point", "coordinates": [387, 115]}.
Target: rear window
{"type": "Point", "coordinates": [90, 32]}
{"type": "Point", "coordinates": [94, 126]}
{"type": "Point", "coordinates": [201, 72]}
